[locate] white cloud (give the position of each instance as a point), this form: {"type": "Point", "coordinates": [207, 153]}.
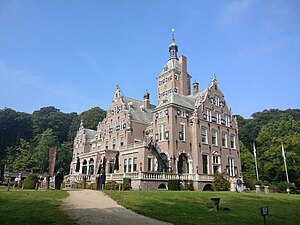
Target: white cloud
{"type": "Point", "coordinates": [234, 11]}
{"type": "Point", "coordinates": [266, 48]}
{"type": "Point", "coordinates": [91, 62]}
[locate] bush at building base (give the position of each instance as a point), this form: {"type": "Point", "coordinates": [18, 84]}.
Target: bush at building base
{"type": "Point", "coordinates": [30, 182]}
{"type": "Point", "coordinates": [111, 185]}
{"type": "Point", "coordinates": [174, 185]}
{"type": "Point", "coordinates": [220, 182]}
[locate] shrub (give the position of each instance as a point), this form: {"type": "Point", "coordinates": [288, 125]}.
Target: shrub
{"type": "Point", "coordinates": [220, 182]}
{"type": "Point", "coordinates": [126, 186]}
{"type": "Point", "coordinates": [174, 185]}
{"type": "Point", "coordinates": [190, 186]}
{"type": "Point", "coordinates": [30, 182]}
{"type": "Point", "coordinates": [266, 183]}
{"type": "Point", "coordinates": [297, 183]}
{"type": "Point", "coordinates": [250, 183]}
{"type": "Point", "coordinates": [283, 186]}
{"type": "Point", "coordinates": [111, 185]}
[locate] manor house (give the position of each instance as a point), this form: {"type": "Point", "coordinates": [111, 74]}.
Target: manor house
{"type": "Point", "coordinates": [190, 134]}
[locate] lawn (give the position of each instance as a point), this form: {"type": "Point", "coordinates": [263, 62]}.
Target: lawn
{"type": "Point", "coordinates": [20, 207]}
{"type": "Point", "coordinates": [179, 207]}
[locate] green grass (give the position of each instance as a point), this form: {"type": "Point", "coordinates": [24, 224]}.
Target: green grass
{"type": "Point", "coordinates": [194, 207]}
{"type": "Point", "coordinates": [20, 207]}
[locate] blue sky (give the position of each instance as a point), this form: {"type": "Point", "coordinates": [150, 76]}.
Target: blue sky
{"type": "Point", "coordinates": [71, 54]}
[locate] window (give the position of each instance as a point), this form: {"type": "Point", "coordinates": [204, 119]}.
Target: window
{"type": "Point", "coordinates": [134, 164]}
{"type": "Point", "coordinates": [125, 165]}
{"type": "Point", "coordinates": [226, 118]}
{"type": "Point", "coordinates": [149, 164]}
{"type": "Point", "coordinates": [182, 132]}
{"type": "Point", "coordinates": [217, 100]}
{"type": "Point", "coordinates": [205, 164]}
{"type": "Point", "coordinates": [99, 147]}
{"type": "Point", "coordinates": [204, 135]}
{"type": "Point", "coordinates": [208, 114]}
{"type": "Point", "coordinates": [115, 126]}
{"type": "Point", "coordinates": [84, 167]}
{"type": "Point", "coordinates": [232, 141]}
{"type": "Point", "coordinates": [161, 132]}
{"type": "Point", "coordinates": [121, 124]}
{"type": "Point", "coordinates": [218, 118]}
{"type": "Point", "coordinates": [224, 139]}
{"type": "Point", "coordinates": [106, 144]}
{"type": "Point", "coordinates": [121, 141]}
{"type": "Point", "coordinates": [230, 167]}
{"type": "Point", "coordinates": [216, 164]}
{"type": "Point", "coordinates": [114, 144]}
{"type": "Point", "coordinates": [216, 159]}
{"type": "Point", "coordinates": [214, 137]}
{"type": "Point", "coordinates": [129, 165]}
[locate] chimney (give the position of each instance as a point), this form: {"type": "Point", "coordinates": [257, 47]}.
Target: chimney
{"type": "Point", "coordinates": [147, 100]}
{"type": "Point", "coordinates": [195, 88]}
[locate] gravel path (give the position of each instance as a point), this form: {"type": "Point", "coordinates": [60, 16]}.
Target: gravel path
{"type": "Point", "coordinates": [94, 207]}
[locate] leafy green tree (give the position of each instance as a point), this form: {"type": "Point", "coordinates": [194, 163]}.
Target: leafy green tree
{"type": "Point", "coordinates": [13, 126]}
{"type": "Point", "coordinates": [247, 161]}
{"type": "Point", "coordinates": [64, 156]}
{"type": "Point", "coordinates": [250, 128]}
{"type": "Point", "coordinates": [269, 143]}
{"type": "Point", "coordinates": [51, 118]}
{"type": "Point", "coordinates": [41, 152]}
{"type": "Point", "coordinates": [23, 161]}
{"type": "Point", "coordinates": [91, 119]}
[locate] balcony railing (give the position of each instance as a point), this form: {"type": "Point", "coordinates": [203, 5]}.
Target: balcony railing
{"type": "Point", "coordinates": [150, 176]}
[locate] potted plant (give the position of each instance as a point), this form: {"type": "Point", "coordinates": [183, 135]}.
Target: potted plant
{"type": "Point", "coordinates": [266, 187]}
{"type": "Point", "coordinates": [257, 186]}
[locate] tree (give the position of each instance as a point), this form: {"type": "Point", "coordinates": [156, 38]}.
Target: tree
{"type": "Point", "coordinates": [13, 126]}
{"type": "Point", "coordinates": [90, 118]}
{"type": "Point", "coordinates": [23, 161]}
{"type": "Point", "coordinates": [64, 156]}
{"type": "Point", "coordinates": [247, 161]}
{"type": "Point", "coordinates": [269, 143]}
{"type": "Point", "coordinates": [41, 152]}
{"type": "Point", "coordinates": [50, 117]}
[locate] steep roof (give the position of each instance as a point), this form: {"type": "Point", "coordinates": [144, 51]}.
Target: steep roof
{"type": "Point", "coordinates": [137, 110]}
{"type": "Point", "coordinates": [89, 134]}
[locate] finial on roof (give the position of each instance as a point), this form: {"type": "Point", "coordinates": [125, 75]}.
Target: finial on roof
{"type": "Point", "coordinates": [173, 35]}
{"type": "Point", "coordinates": [173, 48]}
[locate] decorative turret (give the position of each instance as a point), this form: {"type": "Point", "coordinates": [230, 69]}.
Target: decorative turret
{"type": "Point", "coordinates": [173, 47]}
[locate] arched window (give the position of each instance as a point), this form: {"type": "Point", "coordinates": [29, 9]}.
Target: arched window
{"type": "Point", "coordinates": [84, 167]}
{"type": "Point", "coordinates": [91, 166]}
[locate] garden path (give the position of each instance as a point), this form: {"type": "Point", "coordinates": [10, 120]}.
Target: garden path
{"type": "Point", "coordinates": [88, 207]}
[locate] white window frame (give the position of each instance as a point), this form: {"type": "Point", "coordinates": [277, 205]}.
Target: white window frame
{"type": "Point", "coordinates": [204, 135]}
{"type": "Point", "coordinates": [230, 161]}
{"type": "Point", "coordinates": [183, 129]}
{"type": "Point", "coordinates": [224, 138]}
{"type": "Point", "coordinates": [208, 114]}
{"type": "Point", "coordinates": [232, 141]}
{"type": "Point", "coordinates": [218, 118]}
{"type": "Point", "coordinates": [161, 132]}
{"type": "Point", "coordinates": [226, 118]}
{"type": "Point", "coordinates": [213, 131]}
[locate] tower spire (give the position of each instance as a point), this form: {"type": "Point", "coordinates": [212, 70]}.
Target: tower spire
{"type": "Point", "coordinates": [173, 47]}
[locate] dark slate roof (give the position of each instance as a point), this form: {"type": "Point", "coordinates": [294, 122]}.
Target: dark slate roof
{"type": "Point", "coordinates": [89, 134]}
{"type": "Point", "coordinates": [137, 110]}
{"type": "Point", "coordinates": [189, 101]}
